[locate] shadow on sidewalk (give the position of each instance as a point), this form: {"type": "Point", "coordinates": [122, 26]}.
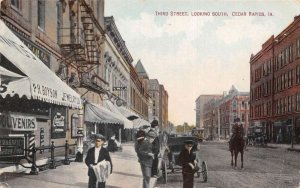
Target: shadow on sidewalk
{"type": "Point", "coordinates": [127, 174]}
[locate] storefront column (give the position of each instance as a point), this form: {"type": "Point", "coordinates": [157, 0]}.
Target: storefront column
{"type": "Point", "coordinates": [79, 152]}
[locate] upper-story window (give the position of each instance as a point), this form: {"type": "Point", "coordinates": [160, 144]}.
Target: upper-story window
{"type": "Point", "coordinates": [298, 47]}
{"type": "Point", "coordinates": [41, 14]}
{"type": "Point", "coordinates": [16, 4]}
{"type": "Point", "coordinates": [234, 104]}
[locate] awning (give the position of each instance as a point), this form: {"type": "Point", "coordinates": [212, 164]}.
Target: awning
{"type": "Point", "coordinates": [129, 114]}
{"type": "Point", "coordinates": [8, 76]}
{"type": "Point", "coordinates": [139, 122]}
{"type": "Point", "coordinates": [39, 81]}
{"type": "Point", "coordinates": [111, 107]}
{"type": "Point", "coordinates": [98, 114]}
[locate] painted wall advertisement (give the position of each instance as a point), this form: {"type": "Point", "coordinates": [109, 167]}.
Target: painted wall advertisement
{"type": "Point", "coordinates": [58, 122]}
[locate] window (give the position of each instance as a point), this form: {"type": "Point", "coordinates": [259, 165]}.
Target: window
{"type": "Point", "coordinates": [298, 47]}
{"type": "Point", "coordinates": [289, 104]}
{"type": "Point", "coordinates": [291, 53]}
{"type": "Point", "coordinates": [16, 4]}
{"type": "Point", "coordinates": [59, 21]}
{"type": "Point", "coordinates": [286, 55]}
{"type": "Point", "coordinates": [298, 102]}
{"type": "Point", "coordinates": [298, 74]}
{"type": "Point", "coordinates": [41, 14]}
{"type": "Point", "coordinates": [234, 105]}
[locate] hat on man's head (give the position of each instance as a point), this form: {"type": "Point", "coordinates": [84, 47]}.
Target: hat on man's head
{"type": "Point", "coordinates": [99, 136]}
{"type": "Point", "coordinates": [152, 134]}
{"type": "Point", "coordinates": [154, 123]}
{"type": "Point", "coordinates": [187, 142]}
{"type": "Point", "coordinates": [237, 119]}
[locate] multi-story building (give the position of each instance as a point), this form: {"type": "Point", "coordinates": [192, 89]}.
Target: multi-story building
{"type": "Point", "coordinates": [155, 95]}
{"type": "Point", "coordinates": [200, 102]}
{"type": "Point", "coordinates": [160, 99]}
{"type": "Point", "coordinates": [210, 119]}
{"type": "Point", "coordinates": [117, 61]}
{"type": "Point", "coordinates": [163, 109]}
{"type": "Point", "coordinates": [233, 105]}
{"type": "Point", "coordinates": [274, 84]}
{"type": "Point", "coordinates": [143, 75]}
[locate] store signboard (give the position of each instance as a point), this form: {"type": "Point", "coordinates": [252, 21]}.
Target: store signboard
{"type": "Point", "coordinates": [17, 122]}
{"type": "Point", "coordinates": [12, 146]}
{"type": "Point", "coordinates": [58, 122]}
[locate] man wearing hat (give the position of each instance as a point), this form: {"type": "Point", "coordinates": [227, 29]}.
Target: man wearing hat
{"type": "Point", "coordinates": [95, 155]}
{"type": "Point", "coordinates": [143, 148]}
{"type": "Point", "coordinates": [155, 146]}
{"type": "Point", "coordinates": [187, 160]}
{"type": "Point", "coordinates": [233, 130]}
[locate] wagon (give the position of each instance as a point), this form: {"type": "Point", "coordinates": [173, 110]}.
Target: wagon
{"type": "Point", "coordinates": [171, 165]}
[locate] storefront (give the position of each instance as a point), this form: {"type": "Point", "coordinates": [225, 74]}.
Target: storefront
{"type": "Point", "coordinates": [100, 120]}
{"type": "Point", "coordinates": [32, 98]}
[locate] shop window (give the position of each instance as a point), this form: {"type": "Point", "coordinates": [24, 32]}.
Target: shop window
{"type": "Point", "coordinates": [41, 14]}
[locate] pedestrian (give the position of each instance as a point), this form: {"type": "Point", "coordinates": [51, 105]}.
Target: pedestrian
{"type": "Point", "coordinates": [143, 148]}
{"type": "Point", "coordinates": [94, 156]}
{"type": "Point", "coordinates": [112, 145]}
{"type": "Point", "coordinates": [155, 147]}
{"type": "Point", "coordinates": [187, 160]}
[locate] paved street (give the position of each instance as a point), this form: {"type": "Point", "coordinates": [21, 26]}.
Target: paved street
{"type": "Point", "coordinates": [126, 174]}
{"type": "Point", "coordinates": [263, 167]}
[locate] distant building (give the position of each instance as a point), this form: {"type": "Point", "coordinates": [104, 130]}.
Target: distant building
{"type": "Point", "coordinates": [231, 106]}
{"type": "Point", "coordinates": [200, 101]}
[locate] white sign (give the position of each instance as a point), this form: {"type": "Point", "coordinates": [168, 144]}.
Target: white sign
{"type": "Point", "coordinates": [17, 122]}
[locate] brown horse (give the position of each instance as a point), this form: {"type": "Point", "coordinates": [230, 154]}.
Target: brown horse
{"type": "Point", "coordinates": [237, 144]}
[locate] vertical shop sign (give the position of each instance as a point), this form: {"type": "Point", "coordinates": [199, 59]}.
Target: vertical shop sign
{"type": "Point", "coordinates": [58, 122]}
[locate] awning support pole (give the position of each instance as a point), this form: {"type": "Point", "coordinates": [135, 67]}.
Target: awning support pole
{"type": "Point", "coordinates": [79, 152]}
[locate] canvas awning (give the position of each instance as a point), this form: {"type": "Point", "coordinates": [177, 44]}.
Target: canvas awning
{"type": "Point", "coordinates": [98, 114]}
{"type": "Point", "coordinates": [139, 122]}
{"type": "Point", "coordinates": [129, 114]}
{"type": "Point", "coordinates": [38, 81]}
{"type": "Point", "coordinates": [111, 107]}
{"type": "Point", "coordinates": [8, 76]}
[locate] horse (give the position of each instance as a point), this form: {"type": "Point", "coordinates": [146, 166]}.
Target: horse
{"type": "Point", "coordinates": [237, 144]}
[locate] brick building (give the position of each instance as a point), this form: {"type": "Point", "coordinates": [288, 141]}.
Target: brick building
{"type": "Point", "coordinates": [274, 86]}
{"type": "Point", "coordinates": [231, 106]}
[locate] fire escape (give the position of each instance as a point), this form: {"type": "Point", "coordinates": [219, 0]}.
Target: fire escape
{"type": "Point", "coordinates": [81, 46]}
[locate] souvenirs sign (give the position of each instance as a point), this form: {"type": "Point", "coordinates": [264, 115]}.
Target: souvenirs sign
{"type": "Point", "coordinates": [17, 122]}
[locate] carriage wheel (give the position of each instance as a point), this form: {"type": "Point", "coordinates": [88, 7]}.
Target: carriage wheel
{"type": "Point", "coordinates": [204, 171]}
{"type": "Point", "coordinates": [198, 172]}
{"type": "Point", "coordinates": [164, 172]}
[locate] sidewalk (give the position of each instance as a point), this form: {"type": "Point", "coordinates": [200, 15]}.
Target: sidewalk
{"type": "Point", "coordinates": [126, 174]}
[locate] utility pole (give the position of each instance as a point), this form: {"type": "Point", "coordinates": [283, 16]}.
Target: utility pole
{"type": "Point", "coordinates": [219, 124]}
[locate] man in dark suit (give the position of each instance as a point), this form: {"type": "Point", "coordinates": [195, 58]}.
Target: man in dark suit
{"type": "Point", "coordinates": [94, 155]}
{"type": "Point", "coordinates": [187, 160]}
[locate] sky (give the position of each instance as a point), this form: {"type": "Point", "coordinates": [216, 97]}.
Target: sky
{"type": "Point", "coordinates": [193, 54]}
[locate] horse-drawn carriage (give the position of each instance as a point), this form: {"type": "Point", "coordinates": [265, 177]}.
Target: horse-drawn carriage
{"type": "Point", "coordinates": [170, 165]}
